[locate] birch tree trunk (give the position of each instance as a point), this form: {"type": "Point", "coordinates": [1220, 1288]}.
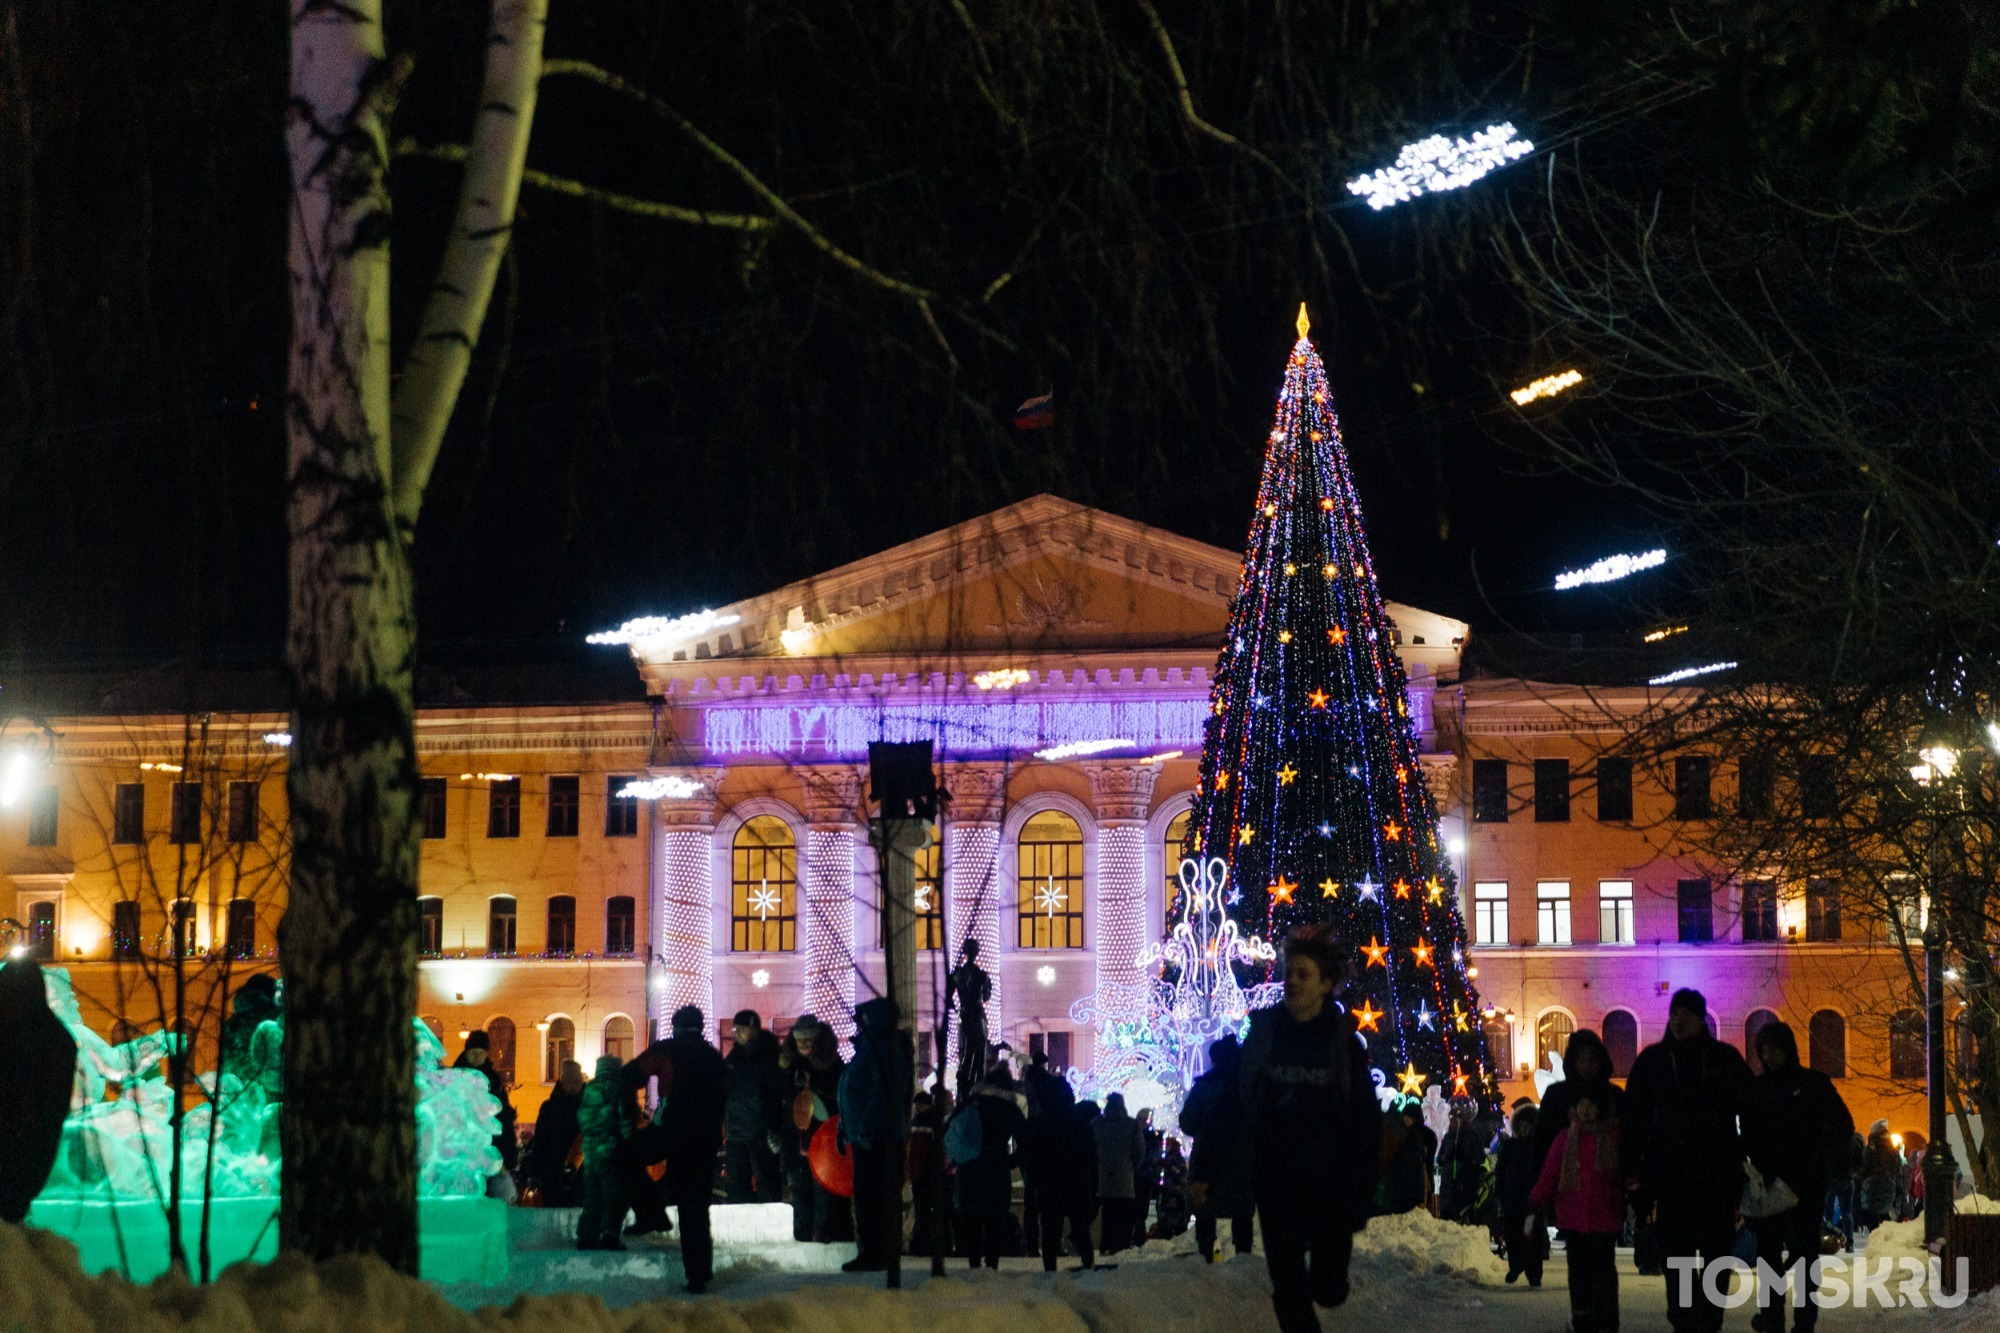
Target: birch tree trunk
{"type": "Point", "coordinates": [349, 937]}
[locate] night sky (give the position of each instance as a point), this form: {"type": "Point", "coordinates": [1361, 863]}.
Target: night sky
{"type": "Point", "coordinates": [662, 416]}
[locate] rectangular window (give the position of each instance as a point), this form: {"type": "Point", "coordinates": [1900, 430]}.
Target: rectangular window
{"type": "Point", "coordinates": [42, 817]}
{"type": "Point", "coordinates": [1760, 910]}
{"type": "Point", "coordinates": [1819, 794]}
{"type": "Point", "coordinates": [1552, 911]}
{"type": "Point", "coordinates": [1055, 1045]}
{"type": "Point", "coordinates": [621, 813]}
{"type": "Point", "coordinates": [1822, 911]}
{"type": "Point", "coordinates": [124, 930]}
{"type": "Point", "coordinates": [620, 925]}
{"type": "Point", "coordinates": [1614, 911]}
{"type": "Point", "coordinates": [184, 814]}
{"type": "Point", "coordinates": [1489, 791]}
{"type": "Point", "coordinates": [1691, 777]}
{"type": "Point", "coordinates": [562, 926]}
{"type": "Point", "coordinates": [500, 927]}
{"type": "Point", "coordinates": [430, 926]}
{"type": "Point", "coordinates": [1552, 791]}
{"type": "Point", "coordinates": [1614, 791]}
{"type": "Point", "coordinates": [243, 811]}
{"type": "Point", "coordinates": [128, 813]}
{"type": "Point", "coordinates": [433, 789]}
{"type": "Point", "coordinates": [503, 808]}
{"type": "Point", "coordinates": [1697, 904]}
{"type": "Point", "coordinates": [42, 929]}
{"type": "Point", "coordinates": [182, 923]}
{"type": "Point", "coordinates": [1755, 784]}
{"type": "Point", "coordinates": [242, 928]}
{"type": "Point", "coordinates": [563, 805]}
{"type": "Point", "coordinates": [1489, 912]}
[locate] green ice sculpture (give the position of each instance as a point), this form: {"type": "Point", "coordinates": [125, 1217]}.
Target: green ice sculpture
{"type": "Point", "coordinates": [108, 1193]}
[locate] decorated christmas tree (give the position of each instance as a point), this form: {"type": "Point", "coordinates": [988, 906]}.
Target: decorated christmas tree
{"type": "Point", "coordinates": [1311, 790]}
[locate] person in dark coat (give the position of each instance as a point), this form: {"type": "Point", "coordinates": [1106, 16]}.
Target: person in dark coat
{"type": "Point", "coordinates": [1515, 1175]}
{"type": "Point", "coordinates": [1795, 1127]}
{"type": "Point", "coordinates": [1059, 1151]}
{"type": "Point", "coordinates": [1461, 1165]}
{"type": "Point", "coordinates": [1586, 1071]}
{"type": "Point", "coordinates": [1681, 1107]}
{"type": "Point", "coordinates": [1408, 1158]}
{"type": "Point", "coordinates": [811, 1065]}
{"type": "Point", "coordinates": [37, 1071]}
{"type": "Point", "coordinates": [874, 1098]}
{"type": "Point", "coordinates": [985, 1186]}
{"type": "Point", "coordinates": [478, 1054]}
{"type": "Point", "coordinates": [1878, 1185]}
{"type": "Point", "coordinates": [254, 1004]}
{"type": "Point", "coordinates": [556, 1131]}
{"type": "Point", "coordinates": [759, 1109]}
{"type": "Point", "coordinates": [1203, 1115]}
{"type": "Point", "coordinates": [1121, 1152]}
{"type": "Point", "coordinates": [694, 1090]}
{"type": "Point", "coordinates": [1305, 1141]}
{"type": "Point", "coordinates": [1146, 1179]}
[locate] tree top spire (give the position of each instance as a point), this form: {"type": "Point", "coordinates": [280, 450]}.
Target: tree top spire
{"type": "Point", "coordinates": [1304, 324]}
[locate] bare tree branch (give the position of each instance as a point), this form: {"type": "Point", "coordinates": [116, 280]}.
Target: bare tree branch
{"type": "Point", "coordinates": [576, 189]}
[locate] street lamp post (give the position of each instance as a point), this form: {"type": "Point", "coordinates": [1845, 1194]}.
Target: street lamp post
{"type": "Point", "coordinates": [1939, 765]}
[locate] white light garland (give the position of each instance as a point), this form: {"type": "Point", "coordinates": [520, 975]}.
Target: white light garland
{"type": "Point", "coordinates": [1005, 678]}
{"type": "Point", "coordinates": [1072, 749]}
{"type": "Point", "coordinates": [1689, 673]}
{"type": "Point", "coordinates": [1611, 568]}
{"type": "Point", "coordinates": [672, 787]}
{"type": "Point", "coordinates": [278, 738]}
{"type": "Point", "coordinates": [1548, 386]}
{"type": "Point", "coordinates": [1437, 164]}
{"type": "Point", "coordinates": [657, 632]}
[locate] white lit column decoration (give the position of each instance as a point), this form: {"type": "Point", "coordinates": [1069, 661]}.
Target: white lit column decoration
{"type": "Point", "coordinates": [971, 873]}
{"type": "Point", "coordinates": [826, 916]}
{"type": "Point", "coordinates": [684, 915]}
{"type": "Point", "coordinates": [1122, 795]}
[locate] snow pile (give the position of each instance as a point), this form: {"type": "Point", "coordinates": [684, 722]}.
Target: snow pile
{"type": "Point", "coordinates": [1414, 1244]}
{"type": "Point", "coordinates": [1905, 1240]}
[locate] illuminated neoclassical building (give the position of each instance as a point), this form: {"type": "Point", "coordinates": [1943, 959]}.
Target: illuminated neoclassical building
{"type": "Point", "coordinates": [1058, 657]}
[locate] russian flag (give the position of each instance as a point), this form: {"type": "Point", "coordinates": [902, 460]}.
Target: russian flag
{"type": "Point", "coordinates": [1036, 413]}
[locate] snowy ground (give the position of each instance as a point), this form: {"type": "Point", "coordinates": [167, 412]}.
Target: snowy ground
{"type": "Point", "coordinates": [1408, 1267]}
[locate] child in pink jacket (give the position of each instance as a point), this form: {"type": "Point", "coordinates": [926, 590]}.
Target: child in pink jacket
{"type": "Point", "coordinates": [1582, 1187]}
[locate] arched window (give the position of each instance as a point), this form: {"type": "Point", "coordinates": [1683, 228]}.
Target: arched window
{"type": "Point", "coordinates": [562, 926]}
{"type": "Point", "coordinates": [500, 1046]}
{"type": "Point", "coordinates": [1552, 1032]}
{"type": "Point", "coordinates": [618, 1037]}
{"type": "Point", "coordinates": [1752, 1025]}
{"type": "Point", "coordinates": [500, 927]}
{"type": "Point", "coordinates": [559, 1048]}
{"type": "Point", "coordinates": [1049, 905]}
{"type": "Point", "coordinates": [763, 887]}
{"type": "Point", "coordinates": [1499, 1036]}
{"type": "Point", "coordinates": [1621, 1039]}
{"type": "Point", "coordinates": [621, 924]}
{"type": "Point", "coordinates": [1172, 848]}
{"type": "Point", "coordinates": [1826, 1045]}
{"type": "Point", "coordinates": [1907, 1048]}
{"type": "Point", "coordinates": [930, 893]}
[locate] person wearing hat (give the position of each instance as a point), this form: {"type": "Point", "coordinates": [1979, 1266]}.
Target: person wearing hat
{"type": "Point", "coordinates": [758, 1111]}
{"type": "Point", "coordinates": [811, 1062]}
{"type": "Point", "coordinates": [694, 1092]}
{"type": "Point", "coordinates": [1795, 1127]}
{"type": "Point", "coordinates": [607, 1117]}
{"type": "Point", "coordinates": [1682, 1101]}
{"type": "Point", "coordinates": [478, 1054]}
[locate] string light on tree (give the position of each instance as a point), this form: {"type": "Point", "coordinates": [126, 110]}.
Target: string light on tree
{"type": "Point", "coordinates": [1689, 673]}
{"type": "Point", "coordinates": [1437, 164]}
{"type": "Point", "coordinates": [1611, 568]}
{"type": "Point", "coordinates": [1548, 386]}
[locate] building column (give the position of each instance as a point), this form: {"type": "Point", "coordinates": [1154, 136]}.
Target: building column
{"type": "Point", "coordinates": [833, 817]}
{"type": "Point", "coordinates": [971, 878]}
{"type": "Point", "coordinates": [683, 963]}
{"type": "Point", "coordinates": [1121, 793]}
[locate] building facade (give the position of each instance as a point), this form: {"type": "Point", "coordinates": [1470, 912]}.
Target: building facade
{"type": "Point", "coordinates": [1058, 658]}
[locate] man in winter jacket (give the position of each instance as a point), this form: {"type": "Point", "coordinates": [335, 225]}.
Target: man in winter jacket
{"type": "Point", "coordinates": [811, 1064]}
{"type": "Point", "coordinates": [1795, 1126]}
{"type": "Point", "coordinates": [757, 1113]}
{"type": "Point", "coordinates": [478, 1054]}
{"type": "Point", "coordinates": [1461, 1165]}
{"type": "Point", "coordinates": [1121, 1152]}
{"type": "Point", "coordinates": [1059, 1154]}
{"type": "Point", "coordinates": [556, 1131]}
{"type": "Point", "coordinates": [1681, 1105]}
{"type": "Point", "coordinates": [874, 1099]}
{"type": "Point", "coordinates": [694, 1089]}
{"type": "Point", "coordinates": [607, 1118]}
{"type": "Point", "coordinates": [1304, 1135]}
{"type": "Point", "coordinates": [1203, 1118]}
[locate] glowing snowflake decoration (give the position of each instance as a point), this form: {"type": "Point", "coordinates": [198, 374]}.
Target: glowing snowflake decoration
{"type": "Point", "coordinates": [1437, 164]}
{"type": "Point", "coordinates": [923, 898]}
{"type": "Point", "coordinates": [764, 901]}
{"type": "Point", "coordinates": [1049, 899]}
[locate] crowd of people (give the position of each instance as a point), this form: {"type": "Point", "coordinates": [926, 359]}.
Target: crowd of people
{"type": "Point", "coordinates": [1695, 1156]}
